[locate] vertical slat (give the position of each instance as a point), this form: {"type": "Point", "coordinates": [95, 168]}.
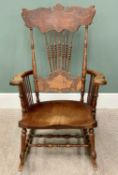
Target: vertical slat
{"type": "Point", "coordinates": [59, 51]}
{"type": "Point", "coordinates": [28, 90]}
{"type": "Point", "coordinates": [70, 51]}
{"type": "Point", "coordinates": [48, 51]}
{"type": "Point", "coordinates": [63, 52]}
{"type": "Point", "coordinates": [66, 51]}
{"type": "Point", "coordinates": [52, 57]}
{"type": "Point", "coordinates": [52, 52]}
{"type": "Point", "coordinates": [90, 89]}
{"type": "Point", "coordinates": [84, 65]}
{"type": "Point", "coordinates": [69, 57]}
{"type": "Point", "coordinates": [34, 65]}
{"type": "Point", "coordinates": [55, 49]}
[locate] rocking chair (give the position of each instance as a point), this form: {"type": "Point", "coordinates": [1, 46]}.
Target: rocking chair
{"type": "Point", "coordinates": [58, 26]}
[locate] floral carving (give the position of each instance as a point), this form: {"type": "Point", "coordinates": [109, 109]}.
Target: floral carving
{"type": "Point", "coordinates": [60, 81]}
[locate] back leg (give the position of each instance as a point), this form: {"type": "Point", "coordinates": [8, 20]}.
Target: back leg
{"type": "Point", "coordinates": [30, 139]}
{"type": "Point", "coordinates": [85, 136]}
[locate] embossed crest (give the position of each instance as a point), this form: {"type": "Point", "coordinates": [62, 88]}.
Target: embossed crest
{"type": "Point", "coordinates": [60, 81]}
{"type": "Point", "coordinates": [58, 18]}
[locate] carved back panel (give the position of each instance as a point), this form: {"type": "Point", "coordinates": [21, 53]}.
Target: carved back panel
{"type": "Point", "coordinates": [58, 24]}
{"type": "Point", "coordinates": [59, 49]}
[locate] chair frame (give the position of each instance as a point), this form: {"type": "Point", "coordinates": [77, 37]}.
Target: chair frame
{"type": "Point", "coordinates": [96, 79]}
{"type": "Point", "coordinates": [22, 80]}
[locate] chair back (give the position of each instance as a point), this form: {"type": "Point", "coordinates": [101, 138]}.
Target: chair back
{"type": "Point", "coordinates": [59, 25]}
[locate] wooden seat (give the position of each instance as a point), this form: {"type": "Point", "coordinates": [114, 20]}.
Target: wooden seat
{"type": "Point", "coordinates": [58, 114]}
{"type": "Point", "coordinates": [58, 26]}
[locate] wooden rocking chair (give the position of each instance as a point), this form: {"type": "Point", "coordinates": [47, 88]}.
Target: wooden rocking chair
{"type": "Point", "coordinates": [58, 25]}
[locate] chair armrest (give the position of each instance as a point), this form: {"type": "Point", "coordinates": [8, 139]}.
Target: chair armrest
{"type": "Point", "coordinates": [18, 79]}
{"type": "Point", "coordinates": [96, 79]}
{"type": "Point", "coordinates": [99, 79]}
{"type": "Point", "coordinates": [25, 92]}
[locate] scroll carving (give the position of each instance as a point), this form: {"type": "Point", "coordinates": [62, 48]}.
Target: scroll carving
{"type": "Point", "coordinates": [59, 81]}
{"type": "Point", "coordinates": [58, 18]}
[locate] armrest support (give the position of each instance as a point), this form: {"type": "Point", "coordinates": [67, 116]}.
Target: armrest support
{"type": "Point", "coordinates": [25, 92]}
{"type": "Point", "coordinates": [96, 80]}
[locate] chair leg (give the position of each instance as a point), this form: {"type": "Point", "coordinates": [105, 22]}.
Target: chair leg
{"type": "Point", "coordinates": [92, 147]}
{"type": "Point", "coordinates": [30, 139]}
{"type": "Point", "coordinates": [23, 148]}
{"type": "Point", "coordinates": [31, 135]}
{"type": "Point", "coordinates": [85, 135]}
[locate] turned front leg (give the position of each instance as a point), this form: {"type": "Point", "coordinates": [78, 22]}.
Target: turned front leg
{"type": "Point", "coordinates": [23, 148]}
{"type": "Point", "coordinates": [92, 146]}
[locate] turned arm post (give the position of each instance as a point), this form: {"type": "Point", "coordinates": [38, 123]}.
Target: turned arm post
{"type": "Point", "coordinates": [96, 80]}
{"type": "Point", "coordinates": [23, 99]}
{"type": "Point", "coordinates": [94, 97]}
{"type": "Point", "coordinates": [25, 92]}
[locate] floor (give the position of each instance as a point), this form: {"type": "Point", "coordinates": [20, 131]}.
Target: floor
{"type": "Point", "coordinates": [60, 161]}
